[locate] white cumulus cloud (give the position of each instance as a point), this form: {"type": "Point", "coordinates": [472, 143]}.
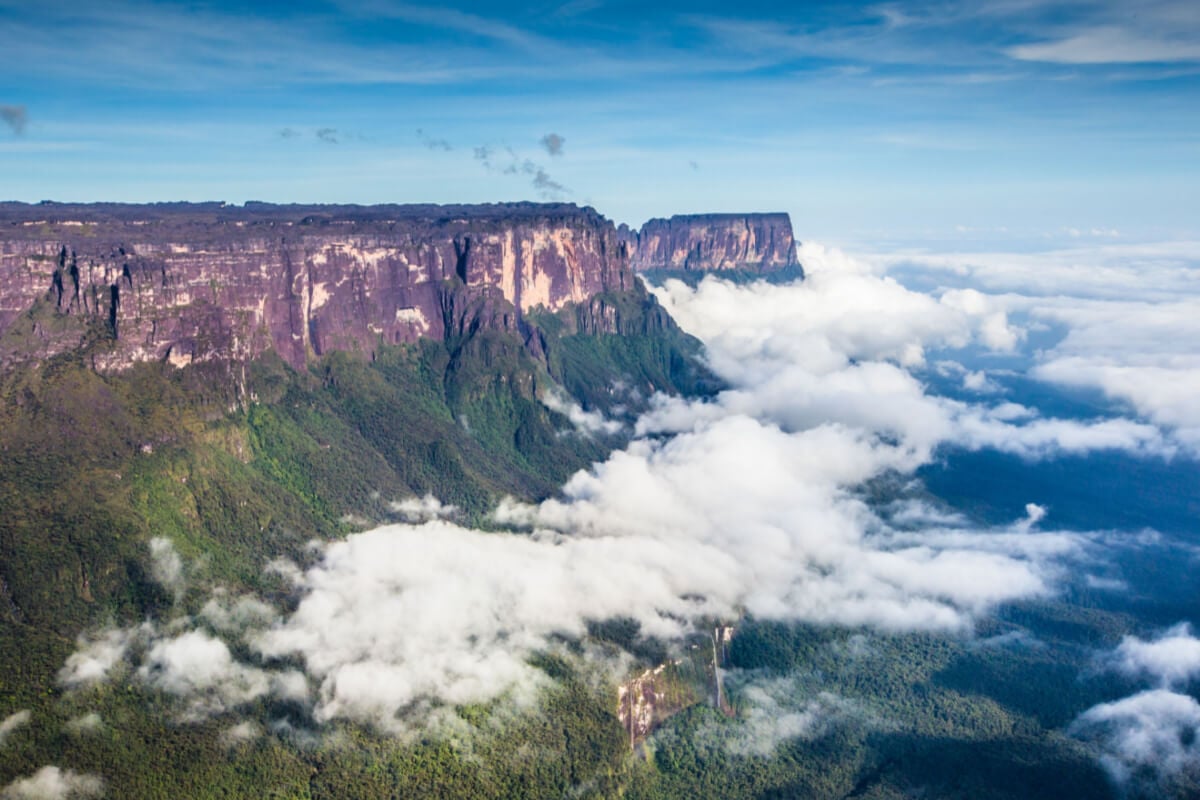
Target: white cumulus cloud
{"type": "Point", "coordinates": [1156, 731]}
{"type": "Point", "coordinates": [12, 722]}
{"type": "Point", "coordinates": [98, 654]}
{"type": "Point", "coordinates": [588, 423]}
{"type": "Point", "coordinates": [54, 783]}
{"type": "Point", "coordinates": [1171, 660]}
{"type": "Point", "coordinates": [166, 566]}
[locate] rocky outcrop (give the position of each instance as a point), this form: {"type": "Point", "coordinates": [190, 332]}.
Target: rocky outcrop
{"type": "Point", "coordinates": [646, 700]}
{"type": "Point", "coordinates": [185, 283]}
{"type": "Point", "coordinates": [714, 242]}
{"type": "Point", "coordinates": [638, 701]}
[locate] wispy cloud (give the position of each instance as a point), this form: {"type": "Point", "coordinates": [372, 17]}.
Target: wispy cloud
{"type": "Point", "coordinates": [54, 783]}
{"type": "Point", "coordinates": [448, 18]}
{"type": "Point", "coordinates": [11, 723]}
{"type": "Point", "coordinates": [545, 185]}
{"type": "Point", "coordinates": [553, 143]}
{"type": "Point", "coordinates": [15, 117]}
{"type": "Point", "coordinates": [423, 509]}
{"type": "Point", "coordinates": [576, 8]}
{"type": "Point", "coordinates": [589, 423]}
{"type": "Point", "coordinates": [776, 710]}
{"type": "Point", "coordinates": [507, 161]}
{"type": "Point", "coordinates": [1129, 312]}
{"type": "Point", "coordinates": [140, 44]}
{"type": "Point", "coordinates": [432, 143]}
{"type": "Point", "coordinates": [166, 566]}
{"type": "Point", "coordinates": [1153, 734]}
{"type": "Point", "coordinates": [1172, 659]}
{"type": "Point", "coordinates": [1110, 45]}
{"type": "Point", "coordinates": [858, 39]}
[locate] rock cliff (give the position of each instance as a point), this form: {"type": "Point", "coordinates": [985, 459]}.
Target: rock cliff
{"type": "Point", "coordinates": [714, 242]}
{"type": "Point", "coordinates": [188, 283]}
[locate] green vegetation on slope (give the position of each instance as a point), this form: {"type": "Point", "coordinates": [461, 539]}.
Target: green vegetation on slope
{"type": "Point", "coordinates": [238, 464]}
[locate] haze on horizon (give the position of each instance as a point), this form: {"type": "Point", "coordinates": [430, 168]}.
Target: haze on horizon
{"type": "Point", "coordinates": [1024, 120]}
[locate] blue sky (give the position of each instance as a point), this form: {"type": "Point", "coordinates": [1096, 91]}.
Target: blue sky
{"type": "Point", "coordinates": [1013, 119]}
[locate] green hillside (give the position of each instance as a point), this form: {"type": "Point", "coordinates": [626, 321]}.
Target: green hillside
{"type": "Point", "coordinates": [239, 464]}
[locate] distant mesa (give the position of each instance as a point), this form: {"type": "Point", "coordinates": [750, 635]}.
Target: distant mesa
{"type": "Point", "coordinates": [761, 244]}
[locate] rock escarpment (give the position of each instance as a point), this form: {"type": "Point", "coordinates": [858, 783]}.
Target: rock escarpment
{"type": "Point", "coordinates": [188, 283]}
{"type": "Point", "coordinates": [761, 243]}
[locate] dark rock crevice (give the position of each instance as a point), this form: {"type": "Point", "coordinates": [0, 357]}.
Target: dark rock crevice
{"type": "Point", "coordinates": [462, 256]}
{"type": "Point", "coordinates": [114, 308]}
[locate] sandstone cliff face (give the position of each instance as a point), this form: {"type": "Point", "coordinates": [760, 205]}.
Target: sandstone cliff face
{"type": "Point", "coordinates": [712, 242]}
{"type": "Point", "coordinates": [638, 701]}
{"type": "Point", "coordinates": [186, 283]}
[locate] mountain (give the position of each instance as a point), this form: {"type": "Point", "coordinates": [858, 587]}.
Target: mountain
{"type": "Point", "coordinates": [190, 283]}
{"type": "Point", "coordinates": [738, 246]}
{"type": "Point", "coordinates": [241, 381]}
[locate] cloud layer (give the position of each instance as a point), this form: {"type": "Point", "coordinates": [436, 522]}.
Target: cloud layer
{"type": "Point", "coordinates": [1119, 319]}
{"type": "Point", "coordinates": [1154, 735]}
{"type": "Point", "coordinates": [842, 347]}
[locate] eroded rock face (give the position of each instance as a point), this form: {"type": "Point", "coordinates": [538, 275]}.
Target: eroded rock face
{"type": "Point", "coordinates": [713, 242]}
{"type": "Point", "coordinates": [638, 701]}
{"type": "Point", "coordinates": [195, 282]}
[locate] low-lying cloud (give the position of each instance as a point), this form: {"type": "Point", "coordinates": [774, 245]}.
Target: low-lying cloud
{"type": "Point", "coordinates": [589, 423]}
{"type": "Point", "coordinates": [1153, 734]}
{"type": "Point", "coordinates": [54, 783]}
{"type": "Point", "coordinates": [422, 509]}
{"type": "Point", "coordinates": [199, 667]}
{"type": "Point", "coordinates": [1171, 660]}
{"type": "Point", "coordinates": [776, 711]}
{"type": "Point", "coordinates": [842, 346]}
{"type": "Point", "coordinates": [97, 655]}
{"type": "Point", "coordinates": [84, 724]}
{"type": "Point", "coordinates": [13, 722]}
{"type": "Point", "coordinates": [1124, 318]}
{"type": "Point", "coordinates": [166, 566]}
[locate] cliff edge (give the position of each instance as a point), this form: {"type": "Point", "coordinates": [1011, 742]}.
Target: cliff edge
{"type": "Point", "coordinates": [187, 283]}
{"type": "Point", "coordinates": [759, 243]}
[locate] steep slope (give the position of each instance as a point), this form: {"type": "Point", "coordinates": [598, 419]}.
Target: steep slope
{"type": "Point", "coordinates": [291, 420]}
